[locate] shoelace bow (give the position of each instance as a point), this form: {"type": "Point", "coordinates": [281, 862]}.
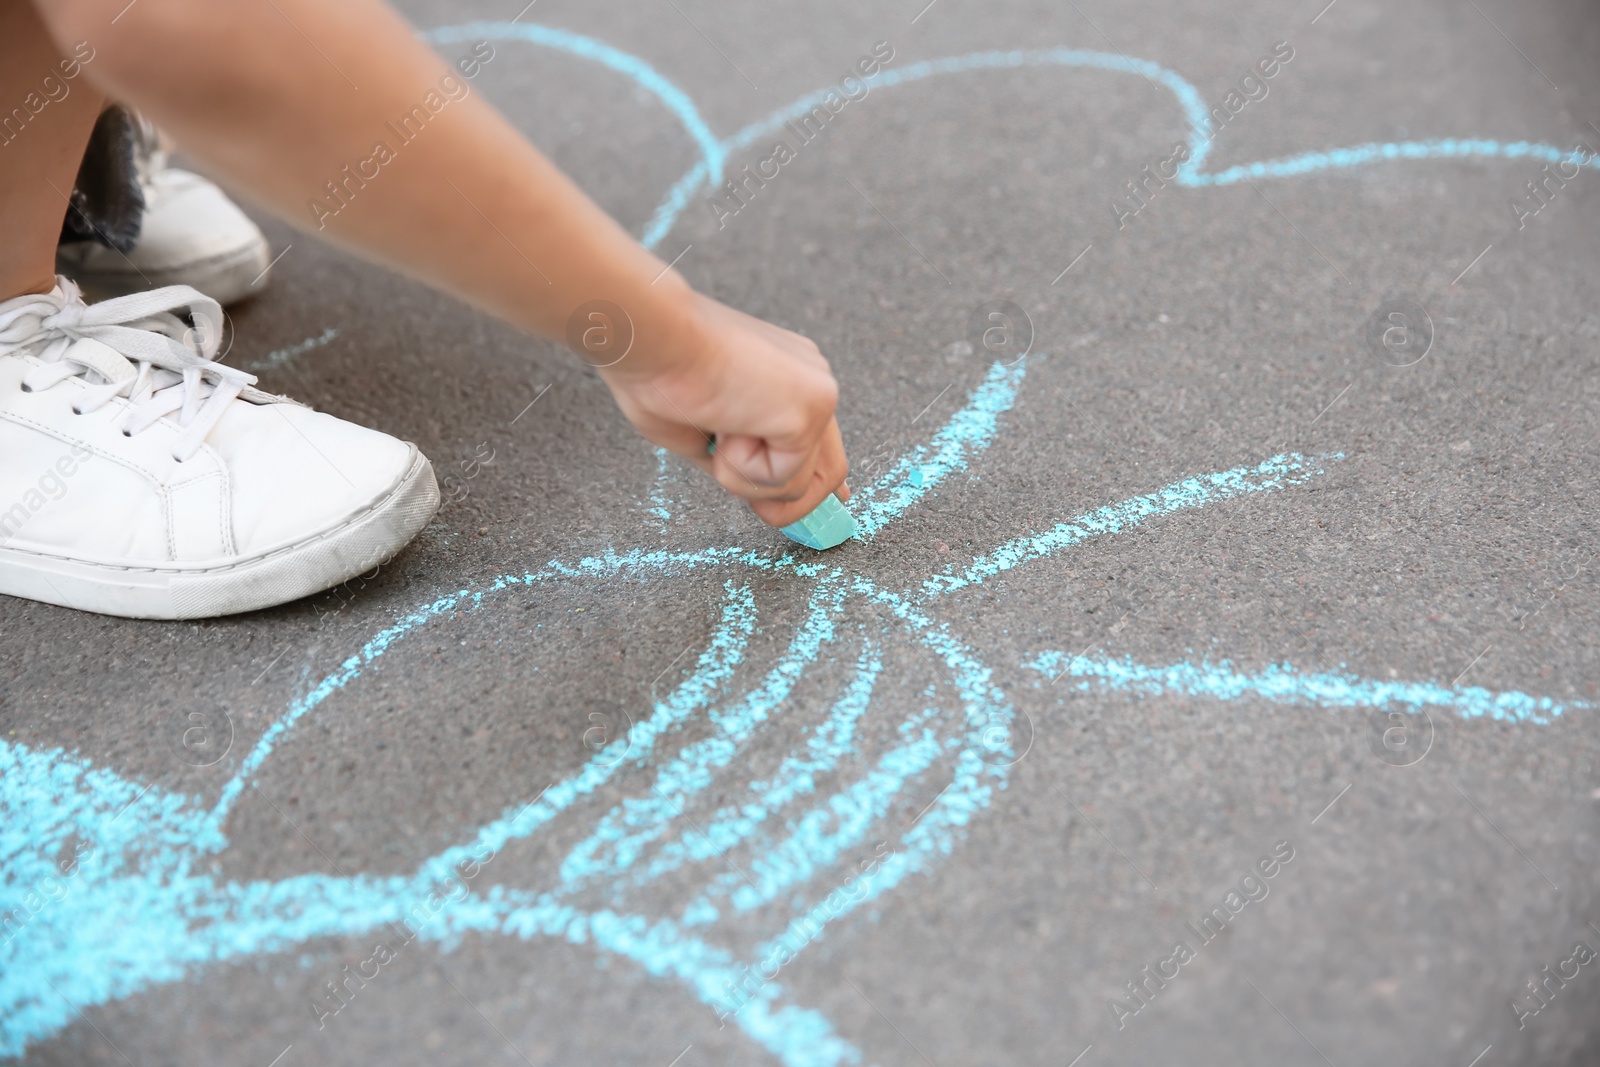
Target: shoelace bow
{"type": "Point", "coordinates": [168, 366]}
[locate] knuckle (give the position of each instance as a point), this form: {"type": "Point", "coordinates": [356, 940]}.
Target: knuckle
{"type": "Point", "coordinates": [827, 388]}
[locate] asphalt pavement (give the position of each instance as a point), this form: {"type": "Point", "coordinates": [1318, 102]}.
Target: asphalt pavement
{"type": "Point", "coordinates": [1218, 684]}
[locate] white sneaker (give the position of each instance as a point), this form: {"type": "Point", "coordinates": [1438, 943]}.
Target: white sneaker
{"type": "Point", "coordinates": [138, 478]}
{"type": "Point", "coordinates": [191, 234]}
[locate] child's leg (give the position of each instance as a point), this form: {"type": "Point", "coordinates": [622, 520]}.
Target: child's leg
{"type": "Point", "coordinates": [39, 152]}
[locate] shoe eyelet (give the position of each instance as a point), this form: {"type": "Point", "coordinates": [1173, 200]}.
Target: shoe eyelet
{"type": "Point", "coordinates": [77, 410]}
{"type": "Point", "coordinates": [175, 459]}
{"type": "Point", "coordinates": [125, 433]}
{"type": "Point", "coordinates": [26, 388]}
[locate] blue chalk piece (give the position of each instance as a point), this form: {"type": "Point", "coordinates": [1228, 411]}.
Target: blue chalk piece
{"type": "Point", "coordinates": [827, 526]}
{"type": "Point", "coordinates": [917, 477]}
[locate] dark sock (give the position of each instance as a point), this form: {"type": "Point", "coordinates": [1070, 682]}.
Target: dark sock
{"type": "Point", "coordinates": [107, 202]}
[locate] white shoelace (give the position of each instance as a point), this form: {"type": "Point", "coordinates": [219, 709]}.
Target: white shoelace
{"type": "Point", "coordinates": [171, 362]}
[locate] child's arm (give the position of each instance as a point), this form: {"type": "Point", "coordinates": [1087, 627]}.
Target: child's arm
{"type": "Point", "coordinates": [281, 96]}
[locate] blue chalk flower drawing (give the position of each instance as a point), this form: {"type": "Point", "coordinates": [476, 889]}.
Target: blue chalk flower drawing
{"type": "Point", "coordinates": [108, 886]}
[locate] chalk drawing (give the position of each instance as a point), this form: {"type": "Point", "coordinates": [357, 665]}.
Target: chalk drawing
{"type": "Point", "coordinates": [708, 172]}
{"type": "Point", "coordinates": [658, 489]}
{"type": "Point", "coordinates": [279, 357]}
{"type": "Point", "coordinates": [145, 906]}
{"type": "Point", "coordinates": [1282, 684]}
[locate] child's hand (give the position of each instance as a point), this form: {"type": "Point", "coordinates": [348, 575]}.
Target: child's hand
{"type": "Point", "coordinates": [765, 393]}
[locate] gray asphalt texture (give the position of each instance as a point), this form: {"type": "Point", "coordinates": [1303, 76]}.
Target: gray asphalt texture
{"type": "Point", "coordinates": [1456, 540]}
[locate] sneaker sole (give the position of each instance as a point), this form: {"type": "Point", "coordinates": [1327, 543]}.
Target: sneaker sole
{"type": "Point", "coordinates": [175, 591]}
{"type": "Point", "coordinates": [226, 278]}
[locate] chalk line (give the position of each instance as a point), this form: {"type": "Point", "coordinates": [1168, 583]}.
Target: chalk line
{"type": "Point", "coordinates": [631, 66]}
{"type": "Point", "coordinates": [1289, 468]}
{"type": "Point", "coordinates": [279, 357]}
{"type": "Point", "coordinates": [1282, 684]}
